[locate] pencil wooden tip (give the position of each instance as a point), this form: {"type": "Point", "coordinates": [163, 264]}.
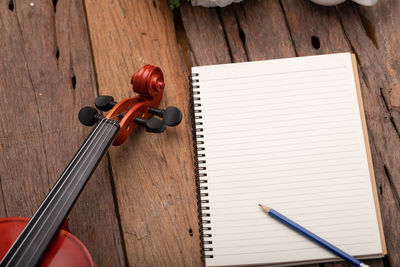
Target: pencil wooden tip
{"type": "Point", "coordinates": [265, 208]}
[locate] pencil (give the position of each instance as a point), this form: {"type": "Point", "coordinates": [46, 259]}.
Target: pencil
{"type": "Point", "coordinates": [276, 215]}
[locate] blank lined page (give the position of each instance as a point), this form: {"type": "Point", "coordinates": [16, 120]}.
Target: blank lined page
{"type": "Point", "coordinates": [288, 134]}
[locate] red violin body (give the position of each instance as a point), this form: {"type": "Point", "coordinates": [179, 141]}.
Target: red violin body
{"type": "Point", "coordinates": [66, 250]}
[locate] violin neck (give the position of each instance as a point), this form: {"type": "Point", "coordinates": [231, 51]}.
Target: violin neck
{"type": "Point", "coordinates": [40, 230]}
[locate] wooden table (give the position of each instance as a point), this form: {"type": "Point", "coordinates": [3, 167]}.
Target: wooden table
{"type": "Point", "coordinates": [139, 208]}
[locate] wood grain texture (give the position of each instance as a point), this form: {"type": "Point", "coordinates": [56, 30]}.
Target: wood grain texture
{"type": "Point", "coordinates": [153, 173]}
{"type": "Point", "coordinates": [301, 28]}
{"type": "Point", "coordinates": [197, 22]}
{"type": "Point", "coordinates": [46, 76]}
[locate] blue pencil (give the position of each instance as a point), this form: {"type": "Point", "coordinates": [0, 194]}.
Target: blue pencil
{"type": "Point", "coordinates": [276, 215]}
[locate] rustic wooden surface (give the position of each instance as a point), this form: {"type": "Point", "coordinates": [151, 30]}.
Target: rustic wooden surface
{"type": "Point", "coordinates": [139, 208]}
{"type": "Point", "coordinates": [46, 76]}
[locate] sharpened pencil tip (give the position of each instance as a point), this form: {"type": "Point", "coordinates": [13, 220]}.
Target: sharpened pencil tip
{"type": "Point", "coordinates": [265, 208]}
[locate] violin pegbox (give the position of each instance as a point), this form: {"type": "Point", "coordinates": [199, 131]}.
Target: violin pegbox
{"type": "Point", "coordinates": [149, 84]}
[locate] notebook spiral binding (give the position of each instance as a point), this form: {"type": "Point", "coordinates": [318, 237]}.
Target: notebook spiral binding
{"type": "Point", "coordinates": [200, 168]}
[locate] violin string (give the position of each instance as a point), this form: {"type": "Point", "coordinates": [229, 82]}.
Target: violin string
{"type": "Point", "coordinates": [97, 130]}
{"type": "Point", "coordinates": [73, 181]}
{"type": "Point", "coordinates": [66, 189]}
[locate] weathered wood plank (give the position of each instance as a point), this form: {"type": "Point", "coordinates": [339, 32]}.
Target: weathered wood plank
{"type": "Point", "coordinates": [153, 173]}
{"type": "Point", "coordinates": [197, 22]}
{"type": "Point", "coordinates": [234, 34]}
{"type": "Point", "coordinates": [374, 34]}
{"type": "Point", "coordinates": [46, 76]}
{"type": "Point", "coordinates": [264, 30]}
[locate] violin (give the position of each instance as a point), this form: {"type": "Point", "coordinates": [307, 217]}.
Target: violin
{"type": "Point", "coordinates": [44, 240]}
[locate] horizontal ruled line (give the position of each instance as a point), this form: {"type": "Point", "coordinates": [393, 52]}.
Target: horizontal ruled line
{"type": "Point", "coordinates": [250, 206]}
{"type": "Point", "coordinates": [209, 150]}
{"type": "Point", "coordinates": [213, 232]}
{"type": "Point", "coordinates": [282, 182]}
{"type": "Point", "coordinates": [257, 211]}
{"type": "Point", "coordinates": [314, 220]}
{"type": "Point", "coordinates": [282, 236]}
{"type": "Point", "coordinates": [287, 189]}
{"type": "Point", "coordinates": [272, 80]}
{"type": "Point", "coordinates": [305, 248]}
{"type": "Point", "coordinates": [246, 92]}
{"type": "Point", "coordinates": [279, 243]}
{"type": "Point", "coordinates": [276, 139]}
{"type": "Point", "coordinates": [279, 164]}
{"type": "Point", "coordinates": [276, 127]}
{"type": "Point", "coordinates": [278, 118]}
{"type": "Point", "coordinates": [257, 198]}
{"type": "Point", "coordinates": [276, 73]}
{"type": "Point", "coordinates": [270, 174]}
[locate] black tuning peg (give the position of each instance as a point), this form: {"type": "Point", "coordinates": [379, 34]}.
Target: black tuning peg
{"type": "Point", "coordinates": [104, 102]}
{"type": "Point", "coordinates": [172, 116]}
{"type": "Point", "coordinates": [88, 116]}
{"type": "Point", "coordinates": [152, 125]}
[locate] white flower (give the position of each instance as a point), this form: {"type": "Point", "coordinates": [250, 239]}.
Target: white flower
{"type": "Point", "coordinates": [335, 2]}
{"type": "Point", "coordinates": [212, 3]}
{"type": "Point", "coordinates": [222, 3]}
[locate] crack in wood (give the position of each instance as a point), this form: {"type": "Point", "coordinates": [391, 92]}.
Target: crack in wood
{"type": "Point", "coordinates": [394, 126]}
{"type": "Point", "coordinates": [55, 5]}
{"type": "Point", "coordinates": [387, 106]}
{"type": "Point", "coordinates": [116, 208]}
{"type": "Point", "coordinates": [183, 41]}
{"type": "Point", "coordinates": [288, 28]}
{"type": "Point", "coordinates": [36, 99]}
{"type": "Point", "coordinates": [392, 186]}
{"type": "Point", "coordinates": [96, 80]}
{"type": "Point", "coordinates": [368, 27]}
{"type": "Point", "coordinates": [225, 34]}
{"type": "Point", "coordinates": [242, 35]}
{"type": "Point", "coordinates": [72, 72]}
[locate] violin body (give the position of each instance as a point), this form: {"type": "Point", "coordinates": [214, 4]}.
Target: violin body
{"type": "Point", "coordinates": [65, 250]}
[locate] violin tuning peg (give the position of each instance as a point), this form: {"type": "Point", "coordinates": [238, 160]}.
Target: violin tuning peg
{"type": "Point", "coordinates": [88, 116]}
{"type": "Point", "coordinates": [152, 125]}
{"type": "Point", "coordinates": [104, 102]}
{"type": "Point", "coordinates": [172, 116]}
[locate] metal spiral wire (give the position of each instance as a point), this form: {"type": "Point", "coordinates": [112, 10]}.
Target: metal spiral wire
{"type": "Point", "coordinates": [200, 168]}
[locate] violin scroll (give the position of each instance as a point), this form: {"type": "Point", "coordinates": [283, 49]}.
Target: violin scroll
{"type": "Point", "coordinates": [148, 81]}
{"type": "Point", "coordinates": [149, 84]}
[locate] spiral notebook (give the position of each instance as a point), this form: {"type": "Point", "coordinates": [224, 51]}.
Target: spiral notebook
{"type": "Point", "coordinates": [291, 134]}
